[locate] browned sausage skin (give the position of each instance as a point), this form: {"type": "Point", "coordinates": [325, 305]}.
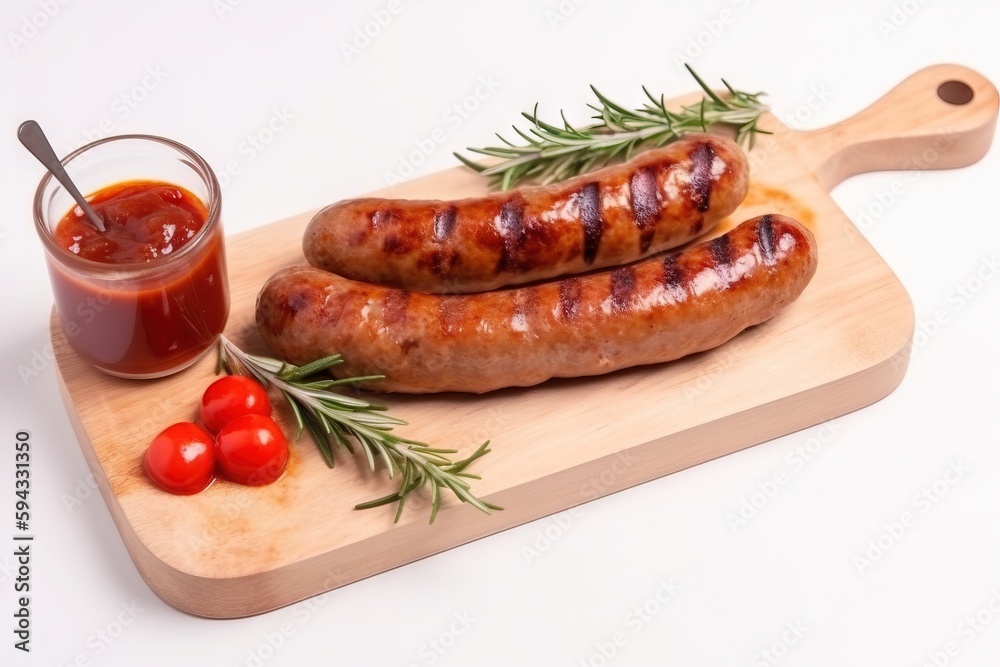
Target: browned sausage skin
{"type": "Point", "coordinates": [656, 310]}
{"type": "Point", "coordinates": [661, 199]}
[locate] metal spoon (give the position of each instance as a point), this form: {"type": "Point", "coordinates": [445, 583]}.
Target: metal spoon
{"type": "Point", "coordinates": [31, 135]}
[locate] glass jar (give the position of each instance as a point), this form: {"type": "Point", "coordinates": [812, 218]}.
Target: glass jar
{"type": "Point", "coordinates": [140, 319]}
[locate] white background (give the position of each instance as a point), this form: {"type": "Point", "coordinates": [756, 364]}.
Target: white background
{"type": "Point", "coordinates": [555, 591]}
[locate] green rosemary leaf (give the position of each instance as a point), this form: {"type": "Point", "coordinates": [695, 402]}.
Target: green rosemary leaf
{"type": "Point", "coordinates": [527, 137]}
{"type": "Point", "coordinates": [378, 502]}
{"type": "Point", "coordinates": [333, 419]}
{"type": "Point", "coordinates": [553, 153]}
{"type": "Point", "coordinates": [295, 373]}
{"type": "Point", "coordinates": [469, 163]}
{"type": "Point", "coordinates": [299, 422]}
{"type": "Point", "coordinates": [704, 86]}
{"type": "Point", "coordinates": [435, 499]}
{"type": "Point", "coordinates": [322, 443]}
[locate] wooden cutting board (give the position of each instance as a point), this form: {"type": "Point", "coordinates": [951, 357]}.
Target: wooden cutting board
{"type": "Point", "coordinates": [235, 551]}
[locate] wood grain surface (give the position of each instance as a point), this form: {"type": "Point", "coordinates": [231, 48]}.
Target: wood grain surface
{"type": "Point", "coordinates": [234, 551]}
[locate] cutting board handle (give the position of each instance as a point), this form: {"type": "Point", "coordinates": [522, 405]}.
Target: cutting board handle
{"type": "Point", "coordinates": [942, 117]}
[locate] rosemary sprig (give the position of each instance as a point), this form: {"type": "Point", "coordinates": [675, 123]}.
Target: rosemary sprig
{"type": "Point", "coordinates": [554, 153]}
{"type": "Point", "coordinates": [335, 419]}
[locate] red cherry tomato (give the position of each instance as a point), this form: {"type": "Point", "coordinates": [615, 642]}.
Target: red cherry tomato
{"type": "Point", "coordinates": [181, 459]}
{"type": "Point", "coordinates": [230, 397]}
{"type": "Point", "coordinates": [251, 450]}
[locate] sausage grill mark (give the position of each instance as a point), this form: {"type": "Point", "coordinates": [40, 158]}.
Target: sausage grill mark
{"type": "Point", "coordinates": [569, 298]}
{"type": "Point", "coordinates": [622, 288]}
{"type": "Point", "coordinates": [673, 277]}
{"type": "Point", "coordinates": [394, 308]}
{"type": "Point", "coordinates": [765, 239]}
{"type": "Point", "coordinates": [296, 302]}
{"type": "Point", "coordinates": [525, 305]}
{"type": "Point", "coordinates": [722, 256]}
{"type": "Point", "coordinates": [450, 310]}
{"type": "Point", "coordinates": [444, 223]}
{"type": "Point", "coordinates": [510, 224]}
{"type": "Point", "coordinates": [645, 204]}
{"type": "Point", "coordinates": [439, 263]}
{"type": "Point", "coordinates": [702, 157]}
{"type": "Point", "coordinates": [395, 245]}
{"type": "Point", "coordinates": [721, 250]}
{"type": "Point", "coordinates": [593, 222]}
{"type": "Point", "coordinates": [383, 216]}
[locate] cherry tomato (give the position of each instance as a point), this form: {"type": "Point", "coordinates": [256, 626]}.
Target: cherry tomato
{"type": "Point", "coordinates": [181, 459]}
{"type": "Point", "coordinates": [230, 397]}
{"type": "Point", "coordinates": [251, 450]}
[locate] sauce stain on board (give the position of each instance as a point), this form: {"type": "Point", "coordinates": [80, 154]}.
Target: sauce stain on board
{"type": "Point", "coordinates": [760, 200]}
{"type": "Point", "coordinates": [770, 199]}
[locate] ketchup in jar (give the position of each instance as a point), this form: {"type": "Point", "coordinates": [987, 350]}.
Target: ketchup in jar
{"type": "Point", "coordinates": [149, 295]}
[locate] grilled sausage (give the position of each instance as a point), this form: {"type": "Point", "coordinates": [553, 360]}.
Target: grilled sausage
{"type": "Point", "coordinates": [661, 199]}
{"type": "Point", "coordinates": [656, 310]}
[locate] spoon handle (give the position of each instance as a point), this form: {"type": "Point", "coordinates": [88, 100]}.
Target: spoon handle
{"type": "Point", "coordinates": [31, 135]}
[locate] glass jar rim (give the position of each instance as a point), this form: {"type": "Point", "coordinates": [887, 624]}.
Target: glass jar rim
{"type": "Point", "coordinates": [214, 206]}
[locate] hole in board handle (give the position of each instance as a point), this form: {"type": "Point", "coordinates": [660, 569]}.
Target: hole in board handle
{"type": "Point", "coordinates": [955, 92]}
